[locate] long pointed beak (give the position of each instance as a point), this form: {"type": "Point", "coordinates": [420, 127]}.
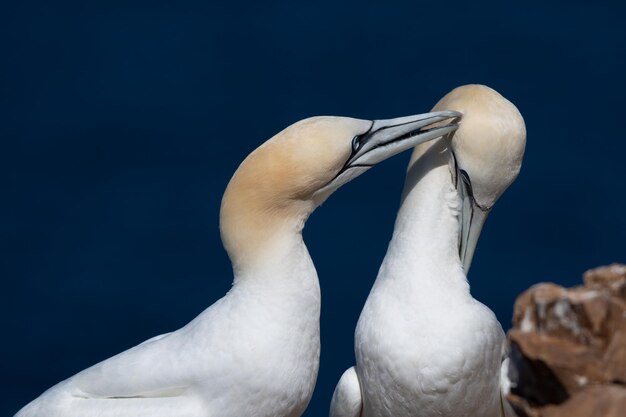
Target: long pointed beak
{"type": "Point", "coordinates": [386, 138]}
{"type": "Point", "coordinates": [472, 225]}
{"type": "Point", "coordinates": [471, 221]}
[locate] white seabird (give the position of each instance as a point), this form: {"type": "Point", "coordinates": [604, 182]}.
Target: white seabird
{"type": "Point", "coordinates": [255, 352]}
{"type": "Point", "coordinates": [424, 347]}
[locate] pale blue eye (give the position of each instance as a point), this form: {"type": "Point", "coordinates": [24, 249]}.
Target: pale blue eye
{"type": "Point", "coordinates": [355, 144]}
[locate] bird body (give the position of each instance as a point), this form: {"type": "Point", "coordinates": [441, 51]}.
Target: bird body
{"type": "Point", "coordinates": [424, 346]}
{"type": "Point", "coordinates": [245, 342]}
{"type": "Point", "coordinates": [255, 352]}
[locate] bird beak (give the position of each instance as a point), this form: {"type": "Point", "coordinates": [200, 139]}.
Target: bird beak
{"type": "Point", "coordinates": [471, 220]}
{"type": "Point", "coordinates": [472, 223]}
{"type": "Point", "coordinates": [386, 138]}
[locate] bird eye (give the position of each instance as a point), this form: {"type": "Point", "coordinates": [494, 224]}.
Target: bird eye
{"type": "Point", "coordinates": [356, 142]}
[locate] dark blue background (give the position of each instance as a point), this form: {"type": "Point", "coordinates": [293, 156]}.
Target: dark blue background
{"type": "Point", "coordinates": [121, 124]}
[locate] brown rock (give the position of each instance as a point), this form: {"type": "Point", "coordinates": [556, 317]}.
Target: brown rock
{"type": "Point", "coordinates": [611, 276]}
{"type": "Point", "coordinates": [597, 401]}
{"type": "Point", "coordinates": [568, 347]}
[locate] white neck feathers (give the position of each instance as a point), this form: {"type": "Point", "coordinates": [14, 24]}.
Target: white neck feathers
{"type": "Point", "coordinates": [424, 247]}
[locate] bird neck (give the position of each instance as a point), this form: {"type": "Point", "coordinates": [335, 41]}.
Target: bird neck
{"type": "Point", "coordinates": [262, 233]}
{"type": "Point", "coordinates": [424, 248]}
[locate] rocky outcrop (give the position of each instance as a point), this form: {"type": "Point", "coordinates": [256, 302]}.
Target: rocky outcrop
{"type": "Point", "coordinates": [568, 348]}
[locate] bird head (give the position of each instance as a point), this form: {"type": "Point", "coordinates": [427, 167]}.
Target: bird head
{"type": "Point", "coordinates": [486, 155]}
{"type": "Point", "coordinates": [281, 182]}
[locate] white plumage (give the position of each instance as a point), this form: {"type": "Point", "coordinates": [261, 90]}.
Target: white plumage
{"type": "Point", "coordinates": [424, 347]}
{"type": "Point", "coordinates": [255, 352]}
